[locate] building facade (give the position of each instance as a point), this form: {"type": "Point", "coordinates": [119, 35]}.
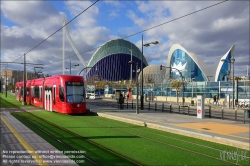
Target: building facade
{"type": "Point", "coordinates": [182, 63]}
{"type": "Point", "coordinates": [110, 61]}
{"type": "Point", "coordinates": [10, 77]}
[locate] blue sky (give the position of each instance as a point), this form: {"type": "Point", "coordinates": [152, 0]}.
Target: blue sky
{"type": "Point", "coordinates": [209, 34]}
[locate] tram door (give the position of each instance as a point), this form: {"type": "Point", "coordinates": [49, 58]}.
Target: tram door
{"type": "Point", "coordinates": [48, 98]}
{"type": "Point", "coordinates": [54, 106]}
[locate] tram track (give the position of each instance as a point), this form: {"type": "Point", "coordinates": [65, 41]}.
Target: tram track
{"type": "Point", "coordinates": [113, 126]}
{"type": "Point", "coordinates": [55, 138]}
{"type": "Point", "coordinates": [164, 143]}
{"type": "Point", "coordinates": [79, 136]}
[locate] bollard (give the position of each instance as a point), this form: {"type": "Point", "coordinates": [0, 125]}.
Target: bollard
{"type": "Point", "coordinates": [149, 105]}
{"type": "Point", "coordinates": [236, 114]}
{"type": "Point", "coordinates": [222, 113]}
{"type": "Point", "coordinates": [170, 108]}
{"type": "Point", "coordinates": [188, 109]}
{"type": "Point", "coordinates": [244, 116]}
{"type": "Point", "coordinates": [155, 106]}
{"type": "Point", "coordinates": [179, 108]}
{"type": "Point", "coordinates": [132, 104]}
{"type": "Point", "coordinates": [162, 108]}
{"type": "Point", "coordinates": [209, 111]}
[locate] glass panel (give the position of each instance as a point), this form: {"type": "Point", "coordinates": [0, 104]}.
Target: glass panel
{"type": "Point", "coordinates": [75, 92]}
{"type": "Point", "coordinates": [61, 93]}
{"type": "Point", "coordinates": [183, 64]}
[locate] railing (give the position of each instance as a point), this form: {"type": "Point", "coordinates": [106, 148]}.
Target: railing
{"type": "Point", "coordinates": [217, 112]}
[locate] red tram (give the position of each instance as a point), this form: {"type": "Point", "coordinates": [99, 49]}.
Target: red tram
{"type": "Point", "coordinates": [62, 93]}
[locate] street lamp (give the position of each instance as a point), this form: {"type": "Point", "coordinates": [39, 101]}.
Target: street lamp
{"type": "Point", "coordinates": [87, 68]}
{"type": "Point", "coordinates": [193, 79]}
{"type": "Point", "coordinates": [6, 86]}
{"type": "Point", "coordinates": [232, 60]}
{"type": "Point", "coordinates": [131, 59]}
{"type": "Point", "coordinates": [183, 86]}
{"type": "Point", "coordinates": [136, 80]}
{"type": "Point", "coordinates": [86, 71]}
{"type": "Point", "coordinates": [71, 66]}
{"type": "Point", "coordinates": [146, 45]}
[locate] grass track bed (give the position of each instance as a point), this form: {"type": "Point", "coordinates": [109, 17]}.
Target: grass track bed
{"type": "Point", "coordinates": [147, 146]}
{"type": "Point", "coordinates": [94, 152]}
{"type": "Point", "coordinates": [11, 102]}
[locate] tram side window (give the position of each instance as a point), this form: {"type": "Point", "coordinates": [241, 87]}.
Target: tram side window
{"type": "Point", "coordinates": [36, 93]}
{"type": "Point", "coordinates": [61, 93]}
{"type": "Point", "coordinates": [54, 94]}
{"type": "Point", "coordinates": [40, 92]}
{"type": "Point", "coordinates": [21, 91]}
{"type": "Point", "coordinates": [27, 91]}
{"type": "Point", "coordinates": [32, 91]}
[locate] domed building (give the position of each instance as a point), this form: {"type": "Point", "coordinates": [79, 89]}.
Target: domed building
{"type": "Point", "coordinates": [110, 61]}
{"type": "Point", "coordinates": [153, 74]}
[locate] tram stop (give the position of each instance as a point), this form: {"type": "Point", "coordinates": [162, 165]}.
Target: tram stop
{"type": "Point", "coordinates": [200, 107]}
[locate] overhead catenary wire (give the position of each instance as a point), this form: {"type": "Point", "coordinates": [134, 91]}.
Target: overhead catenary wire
{"type": "Point", "coordinates": [56, 31]}
{"type": "Point", "coordinates": [92, 49]}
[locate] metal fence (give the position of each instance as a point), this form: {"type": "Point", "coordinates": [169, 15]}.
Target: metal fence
{"type": "Point", "coordinates": [242, 115]}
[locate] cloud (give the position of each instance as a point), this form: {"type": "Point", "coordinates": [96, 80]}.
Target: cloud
{"type": "Point", "coordinates": [209, 33]}
{"type": "Point", "coordinates": [40, 21]}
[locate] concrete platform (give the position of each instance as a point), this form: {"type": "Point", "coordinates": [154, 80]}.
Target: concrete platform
{"type": "Point", "coordinates": [21, 146]}
{"type": "Point", "coordinates": [226, 132]}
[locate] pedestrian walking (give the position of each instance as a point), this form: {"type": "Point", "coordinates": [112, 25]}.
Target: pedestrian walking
{"type": "Point", "coordinates": [214, 99]}
{"type": "Point", "coordinates": [121, 101]}
{"type": "Point", "coordinates": [217, 99]}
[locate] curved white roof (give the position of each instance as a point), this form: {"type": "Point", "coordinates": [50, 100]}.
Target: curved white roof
{"type": "Point", "coordinates": [218, 69]}
{"type": "Point", "coordinates": [211, 70]}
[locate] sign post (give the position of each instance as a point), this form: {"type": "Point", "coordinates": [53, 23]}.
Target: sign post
{"type": "Point", "coordinates": [228, 100]}
{"type": "Point", "coordinates": [200, 107]}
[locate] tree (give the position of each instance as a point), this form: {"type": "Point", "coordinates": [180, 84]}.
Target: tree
{"type": "Point", "coordinates": [177, 84]}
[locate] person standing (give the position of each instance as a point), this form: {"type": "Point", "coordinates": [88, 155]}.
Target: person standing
{"type": "Point", "coordinates": [214, 99]}
{"type": "Point", "coordinates": [121, 101]}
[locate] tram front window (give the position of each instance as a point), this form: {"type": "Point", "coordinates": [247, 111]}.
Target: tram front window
{"type": "Point", "coordinates": [75, 92]}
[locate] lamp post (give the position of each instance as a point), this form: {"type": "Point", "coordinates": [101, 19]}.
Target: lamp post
{"type": "Point", "coordinates": [137, 89]}
{"type": "Point", "coordinates": [87, 68]}
{"type": "Point", "coordinates": [183, 86]}
{"type": "Point", "coordinates": [24, 80]}
{"type": "Point", "coordinates": [6, 83]}
{"type": "Point", "coordinates": [232, 60]}
{"type": "Point", "coordinates": [131, 59]}
{"type": "Point", "coordinates": [142, 96]}
{"type": "Point", "coordinates": [86, 72]}
{"type": "Point", "coordinates": [192, 87]}
{"type": "Point", "coordinates": [71, 66]}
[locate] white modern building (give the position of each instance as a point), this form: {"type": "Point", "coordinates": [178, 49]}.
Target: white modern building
{"type": "Point", "coordinates": [191, 67]}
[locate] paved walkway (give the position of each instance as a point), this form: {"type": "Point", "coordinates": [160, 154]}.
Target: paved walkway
{"type": "Point", "coordinates": [216, 130]}
{"type": "Point", "coordinates": [21, 146]}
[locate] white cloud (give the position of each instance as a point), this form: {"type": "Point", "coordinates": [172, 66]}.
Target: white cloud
{"type": "Point", "coordinates": [207, 33]}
